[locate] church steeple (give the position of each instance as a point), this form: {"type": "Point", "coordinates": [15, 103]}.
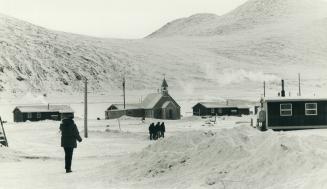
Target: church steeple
{"type": "Point", "coordinates": [164, 87]}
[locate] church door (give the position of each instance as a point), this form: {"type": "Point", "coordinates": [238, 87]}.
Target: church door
{"type": "Point", "coordinates": [170, 114]}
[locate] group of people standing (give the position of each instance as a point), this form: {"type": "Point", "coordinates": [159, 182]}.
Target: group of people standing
{"type": "Point", "coordinates": [157, 131]}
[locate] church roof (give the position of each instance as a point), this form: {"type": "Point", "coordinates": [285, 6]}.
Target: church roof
{"type": "Point", "coordinates": [164, 83]}
{"type": "Point", "coordinates": [151, 100]}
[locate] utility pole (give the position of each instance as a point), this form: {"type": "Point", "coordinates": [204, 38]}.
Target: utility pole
{"type": "Point", "coordinates": [124, 92]}
{"type": "Point", "coordinates": [299, 84]}
{"type": "Point", "coordinates": [264, 89]}
{"type": "Point", "coordinates": [85, 108]}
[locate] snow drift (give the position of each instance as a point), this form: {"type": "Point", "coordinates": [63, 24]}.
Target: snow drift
{"type": "Point", "coordinates": [241, 157]}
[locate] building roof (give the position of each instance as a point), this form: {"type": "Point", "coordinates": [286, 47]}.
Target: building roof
{"type": "Point", "coordinates": [164, 83]}
{"type": "Point", "coordinates": [45, 108]}
{"type": "Point", "coordinates": [220, 105]}
{"type": "Point", "coordinates": [151, 100]}
{"type": "Point", "coordinates": [288, 99]}
{"type": "Point", "coordinates": [243, 107]}
{"type": "Point", "coordinates": [127, 106]}
{"type": "Point", "coordinates": [215, 105]}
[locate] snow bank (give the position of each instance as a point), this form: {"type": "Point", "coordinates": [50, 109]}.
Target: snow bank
{"type": "Point", "coordinates": [8, 155]}
{"type": "Point", "coordinates": [230, 158]}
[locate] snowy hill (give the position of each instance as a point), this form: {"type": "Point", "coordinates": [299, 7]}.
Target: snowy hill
{"type": "Point", "coordinates": [36, 58]}
{"type": "Point", "coordinates": [260, 40]}
{"type": "Point", "coordinates": [250, 15]}
{"type": "Point", "coordinates": [186, 26]}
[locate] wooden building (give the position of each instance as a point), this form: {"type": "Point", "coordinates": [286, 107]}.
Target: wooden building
{"type": "Point", "coordinates": [243, 110]}
{"type": "Point", "coordinates": [42, 112]}
{"type": "Point", "coordinates": [215, 108]}
{"type": "Point", "coordinates": [293, 113]}
{"type": "Point", "coordinates": [156, 105]}
{"type": "Point", "coordinates": [118, 110]}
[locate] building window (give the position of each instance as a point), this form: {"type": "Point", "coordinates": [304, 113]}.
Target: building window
{"type": "Point", "coordinates": [212, 110]}
{"type": "Point", "coordinates": [311, 109]}
{"type": "Point", "coordinates": [38, 115]}
{"type": "Point", "coordinates": [286, 109]}
{"type": "Point", "coordinates": [29, 115]}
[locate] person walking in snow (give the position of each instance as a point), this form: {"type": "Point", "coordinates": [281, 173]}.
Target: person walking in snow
{"type": "Point", "coordinates": [151, 131]}
{"type": "Point", "coordinates": [162, 130]}
{"type": "Point", "coordinates": [157, 131]}
{"type": "Point", "coordinates": [69, 135]}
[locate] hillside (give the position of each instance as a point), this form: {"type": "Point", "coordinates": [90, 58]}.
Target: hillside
{"type": "Point", "coordinates": [260, 40]}
{"type": "Point", "coordinates": [251, 15]}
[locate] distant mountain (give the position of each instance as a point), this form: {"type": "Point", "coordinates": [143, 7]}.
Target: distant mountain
{"type": "Point", "coordinates": [187, 26]}
{"type": "Point", "coordinates": [260, 40]}
{"type": "Point", "coordinates": [252, 14]}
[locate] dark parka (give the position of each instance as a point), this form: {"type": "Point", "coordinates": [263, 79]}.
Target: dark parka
{"type": "Point", "coordinates": [162, 127]}
{"type": "Point", "coordinates": [69, 134]}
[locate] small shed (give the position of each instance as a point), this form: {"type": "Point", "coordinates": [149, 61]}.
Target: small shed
{"type": "Point", "coordinates": [42, 112]}
{"type": "Point", "coordinates": [293, 113]}
{"type": "Point", "coordinates": [214, 108]}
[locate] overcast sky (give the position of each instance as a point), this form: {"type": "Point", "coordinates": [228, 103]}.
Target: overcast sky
{"type": "Point", "coordinates": [110, 18]}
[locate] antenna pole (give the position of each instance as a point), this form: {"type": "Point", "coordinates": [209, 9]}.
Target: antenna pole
{"type": "Point", "coordinates": [85, 109]}
{"type": "Point", "coordinates": [264, 89]}
{"type": "Point", "coordinates": [299, 84]}
{"type": "Point", "coordinates": [124, 93]}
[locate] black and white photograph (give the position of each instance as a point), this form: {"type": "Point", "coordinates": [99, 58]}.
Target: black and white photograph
{"type": "Point", "coordinates": [163, 94]}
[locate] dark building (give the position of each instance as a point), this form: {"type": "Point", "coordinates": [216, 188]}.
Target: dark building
{"type": "Point", "coordinates": [118, 110]}
{"type": "Point", "coordinates": [156, 105]}
{"type": "Point", "coordinates": [215, 108]}
{"type": "Point", "coordinates": [293, 113]}
{"type": "Point", "coordinates": [243, 110]}
{"type": "Point", "coordinates": [42, 112]}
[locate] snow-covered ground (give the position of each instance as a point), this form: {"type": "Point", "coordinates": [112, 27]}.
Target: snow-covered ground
{"type": "Point", "coordinates": [35, 158]}
{"type": "Point", "coordinates": [196, 153]}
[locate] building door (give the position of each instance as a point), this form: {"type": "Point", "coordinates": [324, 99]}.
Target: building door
{"type": "Point", "coordinates": [170, 114]}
